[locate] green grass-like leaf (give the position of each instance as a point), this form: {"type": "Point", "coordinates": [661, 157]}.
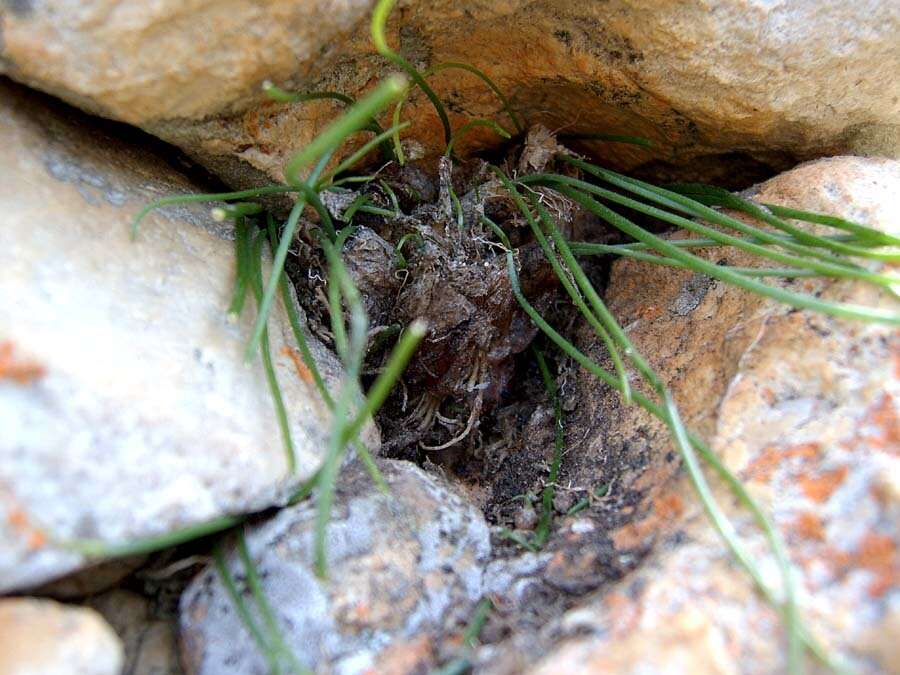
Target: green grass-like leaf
{"type": "Point", "coordinates": [801, 301]}
{"type": "Point", "coordinates": [278, 260]}
{"type": "Point", "coordinates": [507, 107]}
{"type": "Point", "coordinates": [280, 95]}
{"type": "Point", "coordinates": [702, 266]}
{"type": "Point", "coordinates": [379, 20]}
{"type": "Point", "coordinates": [95, 548]}
{"type": "Point", "coordinates": [824, 262]}
{"type": "Point", "coordinates": [346, 429]}
{"type": "Point", "coordinates": [398, 249]}
{"type": "Point", "coordinates": [476, 623]}
{"type": "Point", "coordinates": [321, 149]}
{"type": "Point", "coordinates": [275, 641]}
{"type": "Point", "coordinates": [242, 276]}
{"type": "Point", "coordinates": [355, 118]}
{"type": "Point", "coordinates": [210, 197]}
{"type": "Point", "coordinates": [254, 254]}
{"type": "Point", "coordinates": [597, 320]}
{"type": "Point", "coordinates": [808, 257]}
{"type": "Point", "coordinates": [542, 531]}
{"type": "Point", "coordinates": [709, 195]}
{"type": "Point", "coordinates": [356, 156]}
{"type": "Point", "coordinates": [804, 255]}
{"type": "Point", "coordinates": [480, 74]}
{"type": "Point", "coordinates": [243, 612]}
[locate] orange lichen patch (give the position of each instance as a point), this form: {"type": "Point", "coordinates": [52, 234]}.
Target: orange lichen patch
{"type": "Point", "coordinates": [21, 371]}
{"type": "Point", "coordinates": [808, 285]}
{"type": "Point", "coordinates": [665, 510]}
{"type": "Point", "coordinates": [34, 537]}
{"type": "Point", "coordinates": [772, 456]}
{"type": "Point", "coordinates": [878, 554]}
{"type": "Point", "coordinates": [883, 417]}
{"type": "Point", "coordinates": [876, 550]}
{"type": "Point", "coordinates": [809, 526]}
{"type": "Point", "coordinates": [633, 534]}
{"type": "Point", "coordinates": [405, 658]}
{"type": "Point", "coordinates": [884, 583]}
{"type": "Point", "coordinates": [669, 507]}
{"type": "Point", "coordinates": [302, 370]}
{"type": "Point", "coordinates": [576, 565]}
{"type": "Point", "coordinates": [819, 488]}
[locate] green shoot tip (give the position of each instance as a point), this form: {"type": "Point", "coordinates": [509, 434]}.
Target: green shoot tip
{"type": "Point", "coordinates": [418, 328]}
{"type": "Point", "coordinates": [396, 83]}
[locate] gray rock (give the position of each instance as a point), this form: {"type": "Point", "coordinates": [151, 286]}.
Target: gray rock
{"type": "Point", "coordinates": [512, 579]}
{"type": "Point", "coordinates": [401, 566]}
{"type": "Point", "coordinates": [43, 637]}
{"type": "Point", "coordinates": [125, 406]}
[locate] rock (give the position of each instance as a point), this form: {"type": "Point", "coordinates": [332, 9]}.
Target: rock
{"type": "Point", "coordinates": [92, 580]}
{"type": "Point", "coordinates": [740, 84]}
{"type": "Point", "coordinates": [158, 651]}
{"type": "Point", "coordinates": [402, 568]}
{"type": "Point", "coordinates": [804, 408]}
{"type": "Point", "coordinates": [126, 408]}
{"type": "Point", "coordinates": [149, 642]}
{"type": "Point", "coordinates": [172, 61]}
{"type": "Point", "coordinates": [43, 637]}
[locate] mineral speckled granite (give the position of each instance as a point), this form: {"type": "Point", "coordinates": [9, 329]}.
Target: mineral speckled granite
{"type": "Point", "coordinates": [126, 407]}
{"type": "Point", "coordinates": [401, 566]}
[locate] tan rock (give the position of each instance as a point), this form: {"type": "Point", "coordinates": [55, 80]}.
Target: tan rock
{"type": "Point", "coordinates": [43, 637]}
{"type": "Point", "coordinates": [149, 642]}
{"type": "Point", "coordinates": [158, 651]}
{"type": "Point", "coordinates": [126, 408]}
{"type": "Point", "coordinates": [170, 60]}
{"type": "Point", "coordinates": [763, 84]}
{"type": "Point", "coordinates": [805, 409]}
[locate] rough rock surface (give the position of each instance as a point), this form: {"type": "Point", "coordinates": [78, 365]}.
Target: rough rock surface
{"type": "Point", "coordinates": [715, 85]}
{"type": "Point", "coordinates": [169, 60]}
{"type": "Point", "coordinates": [402, 566]}
{"type": "Point", "coordinates": [91, 580]}
{"type": "Point", "coordinates": [804, 408]}
{"type": "Point", "coordinates": [149, 642]}
{"type": "Point", "coordinates": [43, 637]}
{"type": "Point", "coordinates": [125, 405]}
